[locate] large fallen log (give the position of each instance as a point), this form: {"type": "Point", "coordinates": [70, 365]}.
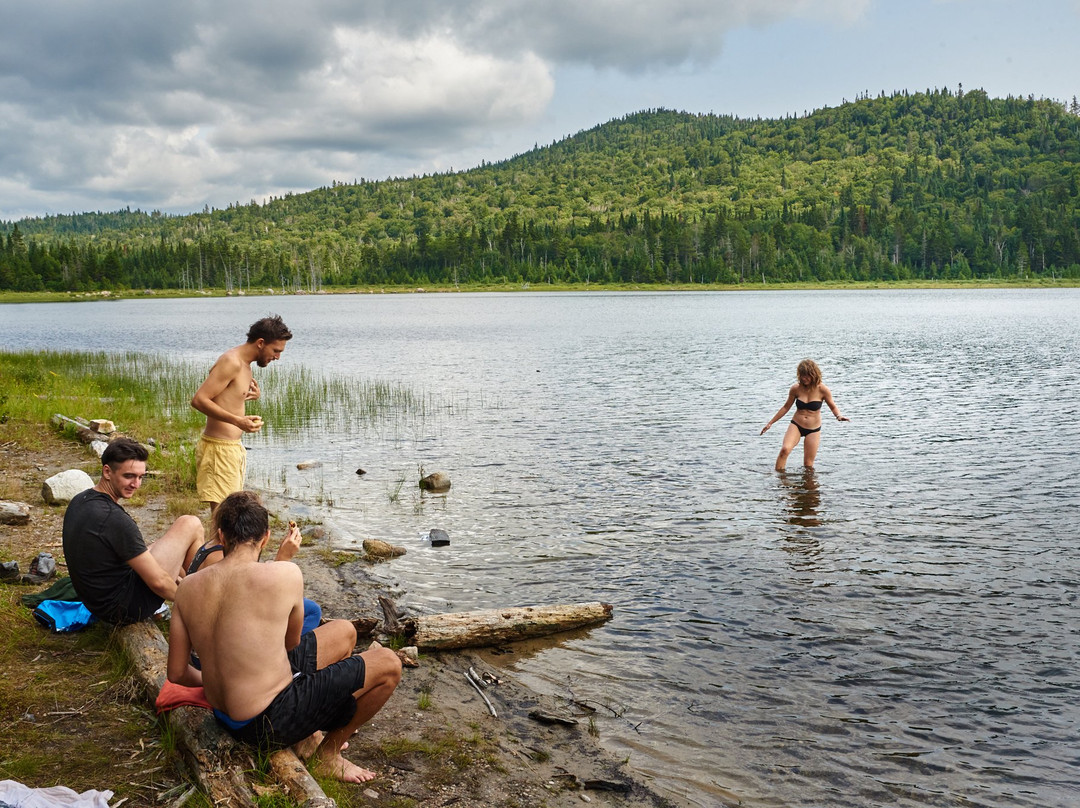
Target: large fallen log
{"type": "Point", "coordinates": [216, 759]}
{"type": "Point", "coordinates": [489, 627]}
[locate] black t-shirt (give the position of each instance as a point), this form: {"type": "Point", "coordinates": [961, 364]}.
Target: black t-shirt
{"type": "Point", "coordinates": [99, 539]}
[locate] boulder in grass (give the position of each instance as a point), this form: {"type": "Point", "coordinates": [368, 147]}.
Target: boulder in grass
{"type": "Point", "coordinates": [14, 513]}
{"type": "Point", "coordinates": [60, 488]}
{"type": "Point", "coordinates": [436, 481]}
{"type": "Point", "coordinates": [103, 426]}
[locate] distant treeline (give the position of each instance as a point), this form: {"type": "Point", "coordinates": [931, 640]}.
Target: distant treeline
{"type": "Point", "coordinates": [934, 185]}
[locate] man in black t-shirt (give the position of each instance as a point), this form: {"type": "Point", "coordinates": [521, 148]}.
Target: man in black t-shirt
{"type": "Point", "coordinates": [117, 577]}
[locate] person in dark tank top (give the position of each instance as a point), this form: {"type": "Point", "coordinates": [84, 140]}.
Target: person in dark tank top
{"type": "Point", "coordinates": [808, 394]}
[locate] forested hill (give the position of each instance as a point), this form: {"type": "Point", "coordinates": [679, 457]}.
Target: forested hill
{"type": "Point", "coordinates": [914, 185]}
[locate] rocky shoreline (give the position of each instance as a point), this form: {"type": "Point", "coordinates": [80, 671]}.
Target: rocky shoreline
{"type": "Point", "coordinates": [518, 758]}
{"type": "Point", "coordinates": [436, 742]}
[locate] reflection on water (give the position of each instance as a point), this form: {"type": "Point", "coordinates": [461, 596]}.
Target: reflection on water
{"type": "Point", "coordinates": [802, 514]}
{"type": "Point", "coordinates": [896, 628]}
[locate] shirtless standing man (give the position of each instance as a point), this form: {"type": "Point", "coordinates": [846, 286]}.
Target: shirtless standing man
{"type": "Point", "coordinates": [270, 685]}
{"type": "Point", "coordinates": [220, 458]}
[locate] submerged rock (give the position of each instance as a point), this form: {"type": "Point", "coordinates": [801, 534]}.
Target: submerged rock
{"type": "Point", "coordinates": [436, 481]}
{"type": "Point", "coordinates": [380, 549]}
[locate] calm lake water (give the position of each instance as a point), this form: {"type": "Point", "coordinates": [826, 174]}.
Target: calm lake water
{"type": "Point", "coordinates": [897, 628]}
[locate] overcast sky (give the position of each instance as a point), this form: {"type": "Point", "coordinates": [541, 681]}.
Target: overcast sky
{"type": "Point", "coordinates": [174, 106]}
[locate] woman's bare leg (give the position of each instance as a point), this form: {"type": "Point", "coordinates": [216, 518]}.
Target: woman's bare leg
{"type": "Point", "coordinates": [791, 440]}
{"type": "Point", "coordinates": [810, 448]}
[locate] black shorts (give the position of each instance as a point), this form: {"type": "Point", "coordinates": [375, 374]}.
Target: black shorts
{"type": "Point", "coordinates": [313, 700]}
{"type": "Point", "coordinates": [137, 603]}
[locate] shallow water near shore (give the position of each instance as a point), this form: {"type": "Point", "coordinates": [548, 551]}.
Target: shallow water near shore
{"type": "Point", "coordinates": [897, 627]}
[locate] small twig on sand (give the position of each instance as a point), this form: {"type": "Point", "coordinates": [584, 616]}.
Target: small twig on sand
{"type": "Point", "coordinates": [481, 692]}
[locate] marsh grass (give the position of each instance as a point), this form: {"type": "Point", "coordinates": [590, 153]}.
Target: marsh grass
{"type": "Point", "coordinates": [394, 492]}
{"type": "Point", "coordinates": [296, 398]}
{"type": "Point", "coordinates": [148, 397]}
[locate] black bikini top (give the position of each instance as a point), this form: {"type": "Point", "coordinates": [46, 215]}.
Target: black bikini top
{"type": "Point", "coordinates": [813, 406]}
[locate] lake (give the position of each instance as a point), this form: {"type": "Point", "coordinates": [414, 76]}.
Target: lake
{"type": "Point", "coordinates": [897, 627]}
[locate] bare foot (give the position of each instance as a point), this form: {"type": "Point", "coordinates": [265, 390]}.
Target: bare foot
{"type": "Point", "coordinates": [306, 748]}
{"type": "Point", "coordinates": [341, 769]}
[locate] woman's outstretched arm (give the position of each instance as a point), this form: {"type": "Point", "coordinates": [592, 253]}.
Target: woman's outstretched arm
{"type": "Point", "coordinates": [780, 413]}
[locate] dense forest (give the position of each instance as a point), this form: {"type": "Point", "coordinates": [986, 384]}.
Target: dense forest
{"type": "Point", "coordinates": [934, 185]}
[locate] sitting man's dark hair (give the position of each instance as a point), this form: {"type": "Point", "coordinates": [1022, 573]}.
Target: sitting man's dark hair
{"type": "Point", "coordinates": [242, 519]}
{"type": "Point", "coordinates": [270, 328]}
{"type": "Point", "coordinates": [122, 450]}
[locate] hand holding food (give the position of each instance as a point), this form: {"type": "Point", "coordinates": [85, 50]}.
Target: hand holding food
{"type": "Point", "coordinates": [290, 544]}
{"type": "Point", "coordinates": [251, 423]}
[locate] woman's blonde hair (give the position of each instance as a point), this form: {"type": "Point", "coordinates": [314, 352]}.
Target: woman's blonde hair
{"type": "Point", "coordinates": [808, 369]}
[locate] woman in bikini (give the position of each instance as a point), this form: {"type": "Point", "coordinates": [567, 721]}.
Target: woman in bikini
{"type": "Point", "coordinates": [807, 396]}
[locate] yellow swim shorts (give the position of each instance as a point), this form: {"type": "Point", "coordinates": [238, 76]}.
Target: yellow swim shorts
{"type": "Point", "coordinates": [220, 466]}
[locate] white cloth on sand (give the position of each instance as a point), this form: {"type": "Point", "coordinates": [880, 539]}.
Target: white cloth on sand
{"type": "Point", "coordinates": [17, 795]}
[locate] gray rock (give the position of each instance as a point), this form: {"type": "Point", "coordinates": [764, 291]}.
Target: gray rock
{"type": "Point", "coordinates": [439, 538]}
{"type": "Point", "coordinates": [60, 488]}
{"type": "Point", "coordinates": [99, 447]}
{"type": "Point", "coordinates": [14, 513]}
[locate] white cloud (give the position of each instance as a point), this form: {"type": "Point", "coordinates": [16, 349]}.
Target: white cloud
{"type": "Point", "coordinates": [174, 105]}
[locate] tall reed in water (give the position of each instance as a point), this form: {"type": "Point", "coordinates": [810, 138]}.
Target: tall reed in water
{"type": "Point", "coordinates": [148, 397]}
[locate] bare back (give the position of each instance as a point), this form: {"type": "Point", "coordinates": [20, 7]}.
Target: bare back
{"type": "Point", "coordinates": [239, 616]}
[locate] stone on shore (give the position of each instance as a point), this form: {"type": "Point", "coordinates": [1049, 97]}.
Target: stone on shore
{"type": "Point", "coordinates": [60, 488]}
{"type": "Point", "coordinates": [14, 513]}
{"type": "Point", "coordinates": [436, 481]}
{"type": "Point", "coordinates": [103, 426]}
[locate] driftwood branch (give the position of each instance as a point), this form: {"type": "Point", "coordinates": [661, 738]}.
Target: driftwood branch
{"type": "Point", "coordinates": [489, 627]}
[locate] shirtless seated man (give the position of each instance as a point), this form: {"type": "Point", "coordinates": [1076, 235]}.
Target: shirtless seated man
{"type": "Point", "coordinates": [268, 684]}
